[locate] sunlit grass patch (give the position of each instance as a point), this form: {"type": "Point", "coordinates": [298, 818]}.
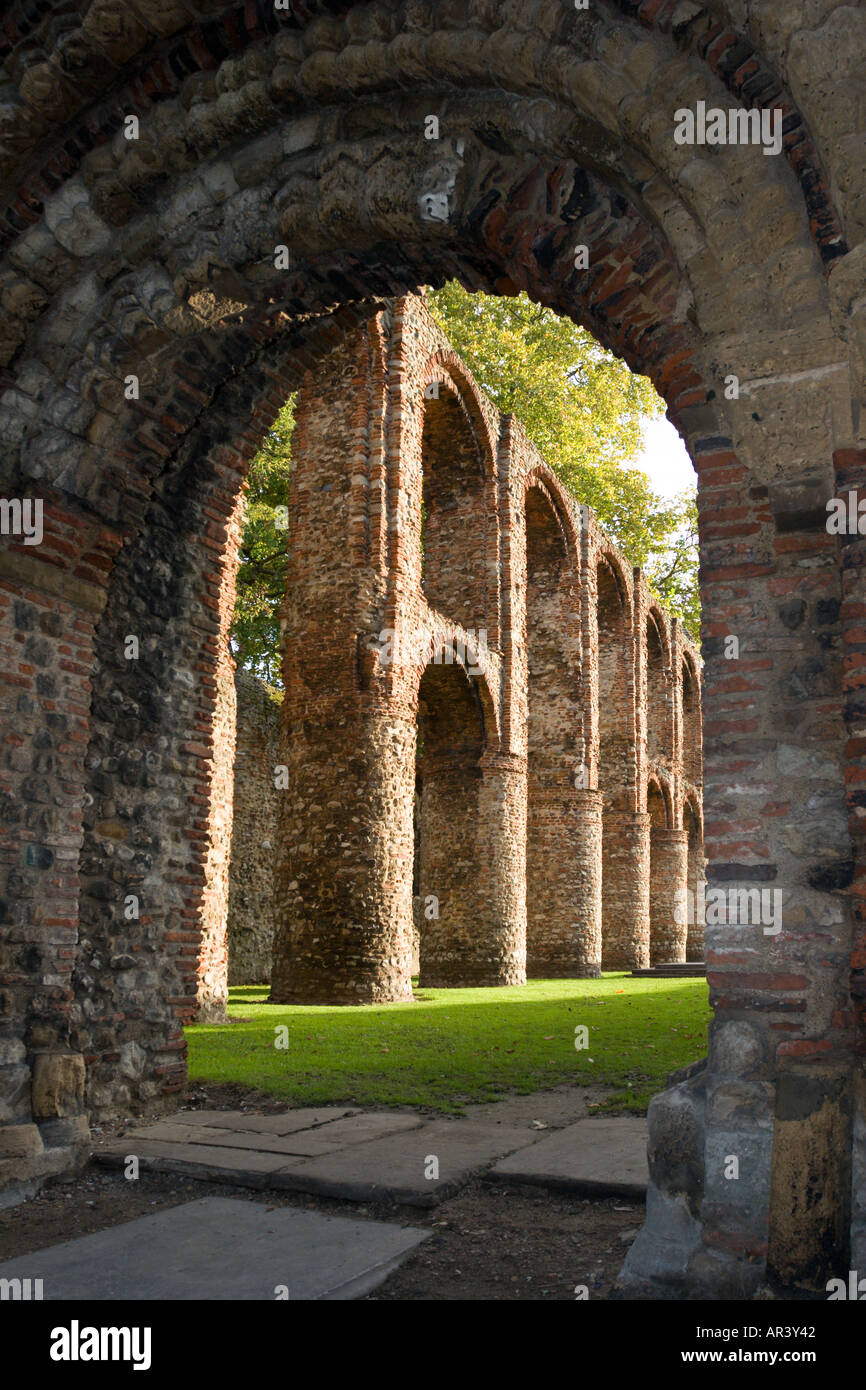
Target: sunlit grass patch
{"type": "Point", "coordinates": [452, 1046]}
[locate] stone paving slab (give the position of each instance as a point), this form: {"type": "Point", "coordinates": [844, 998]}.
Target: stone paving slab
{"type": "Point", "coordinates": [375, 1124]}
{"type": "Point", "coordinates": [222, 1248]}
{"type": "Point", "coordinates": [383, 1155]}
{"type": "Point", "coordinates": [323, 1138]}
{"type": "Point", "coordinates": [305, 1143]}
{"type": "Point", "coordinates": [393, 1169]}
{"type": "Point", "coordinates": [245, 1167]}
{"type": "Point", "coordinates": [595, 1156]}
{"type": "Point", "coordinates": [286, 1122]}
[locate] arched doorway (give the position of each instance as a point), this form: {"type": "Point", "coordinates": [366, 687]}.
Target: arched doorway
{"type": "Point", "coordinates": [469, 931]}
{"type": "Point", "coordinates": [156, 261]}
{"type": "Point", "coordinates": [450, 744]}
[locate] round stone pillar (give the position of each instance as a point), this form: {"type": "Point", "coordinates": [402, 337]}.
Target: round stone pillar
{"type": "Point", "coordinates": [472, 879]}
{"type": "Point", "coordinates": [625, 890]}
{"type": "Point", "coordinates": [696, 900]}
{"type": "Point", "coordinates": [669, 850]}
{"type": "Point", "coordinates": [563, 883]}
{"type": "Point", "coordinates": [344, 922]}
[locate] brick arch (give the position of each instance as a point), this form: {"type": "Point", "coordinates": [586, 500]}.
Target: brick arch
{"type": "Point", "coordinates": [150, 260]}
{"type": "Point", "coordinates": [614, 563]}
{"type": "Point", "coordinates": [658, 786]}
{"type": "Point", "coordinates": [615, 679]}
{"type": "Point", "coordinates": [474, 927]}
{"type": "Point", "coordinates": [692, 803]}
{"type": "Point", "coordinates": [726, 52]}
{"type": "Point", "coordinates": [609, 301]}
{"type": "Point", "coordinates": [466, 656]}
{"type": "Point", "coordinates": [655, 614]}
{"type": "Point", "coordinates": [446, 365]}
{"type": "Point", "coordinates": [668, 874]}
{"type": "Point", "coordinates": [557, 939]}
{"type": "Point", "coordinates": [458, 501]}
{"type": "Point", "coordinates": [542, 476]}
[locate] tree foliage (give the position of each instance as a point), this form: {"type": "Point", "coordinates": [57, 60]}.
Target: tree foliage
{"type": "Point", "coordinates": [582, 408]}
{"type": "Point", "coordinates": [261, 582]}
{"type": "Point", "coordinates": [584, 411]}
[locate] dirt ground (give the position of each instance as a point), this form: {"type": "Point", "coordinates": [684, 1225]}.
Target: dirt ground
{"type": "Point", "coordinates": [487, 1243]}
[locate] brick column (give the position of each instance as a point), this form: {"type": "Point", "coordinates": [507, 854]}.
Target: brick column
{"type": "Point", "coordinates": [344, 875]}
{"type": "Point", "coordinates": [696, 884]}
{"type": "Point", "coordinates": [850, 476]}
{"type": "Point", "coordinates": [668, 874]}
{"type": "Point", "coordinates": [774, 1089]}
{"type": "Point", "coordinates": [51, 595]}
{"type": "Point", "coordinates": [563, 883]}
{"type": "Point", "coordinates": [344, 926]}
{"type": "Point", "coordinates": [502, 865]}
{"type": "Point", "coordinates": [625, 891]}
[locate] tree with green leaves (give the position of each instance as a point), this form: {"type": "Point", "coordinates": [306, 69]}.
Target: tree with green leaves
{"type": "Point", "coordinates": [581, 407]}
{"type": "Point", "coordinates": [584, 411]}
{"type": "Point", "coordinates": [261, 582]}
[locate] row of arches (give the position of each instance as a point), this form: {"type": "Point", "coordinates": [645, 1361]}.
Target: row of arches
{"type": "Point", "coordinates": [648, 759]}
{"type": "Point", "coordinates": [534, 696]}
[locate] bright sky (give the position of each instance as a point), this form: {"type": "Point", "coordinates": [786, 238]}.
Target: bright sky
{"type": "Point", "coordinates": [664, 459]}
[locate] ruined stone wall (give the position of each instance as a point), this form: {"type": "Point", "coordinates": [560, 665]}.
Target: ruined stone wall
{"type": "Point", "coordinates": [46, 657]}
{"type": "Point", "coordinates": [251, 899]}
{"type": "Point", "coordinates": [530, 735]}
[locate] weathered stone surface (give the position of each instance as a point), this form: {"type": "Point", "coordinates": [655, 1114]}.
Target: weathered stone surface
{"type": "Point", "coordinates": [396, 1168]}
{"type": "Point", "coordinates": [219, 1248]}
{"type": "Point", "coordinates": [18, 1141]}
{"type": "Point", "coordinates": [594, 1156]}
{"type": "Point", "coordinates": [58, 1084]}
{"type": "Point", "coordinates": [251, 908]}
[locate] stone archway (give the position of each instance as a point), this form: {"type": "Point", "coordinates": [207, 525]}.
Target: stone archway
{"type": "Point", "coordinates": [452, 830]}
{"type": "Point", "coordinates": [149, 336]}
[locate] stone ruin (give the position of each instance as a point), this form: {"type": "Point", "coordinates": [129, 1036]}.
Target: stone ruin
{"type": "Point", "coordinates": [200, 200]}
{"type": "Point", "coordinates": [457, 631]}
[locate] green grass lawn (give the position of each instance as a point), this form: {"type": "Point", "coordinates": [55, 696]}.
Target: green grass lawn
{"type": "Point", "coordinates": [453, 1046]}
